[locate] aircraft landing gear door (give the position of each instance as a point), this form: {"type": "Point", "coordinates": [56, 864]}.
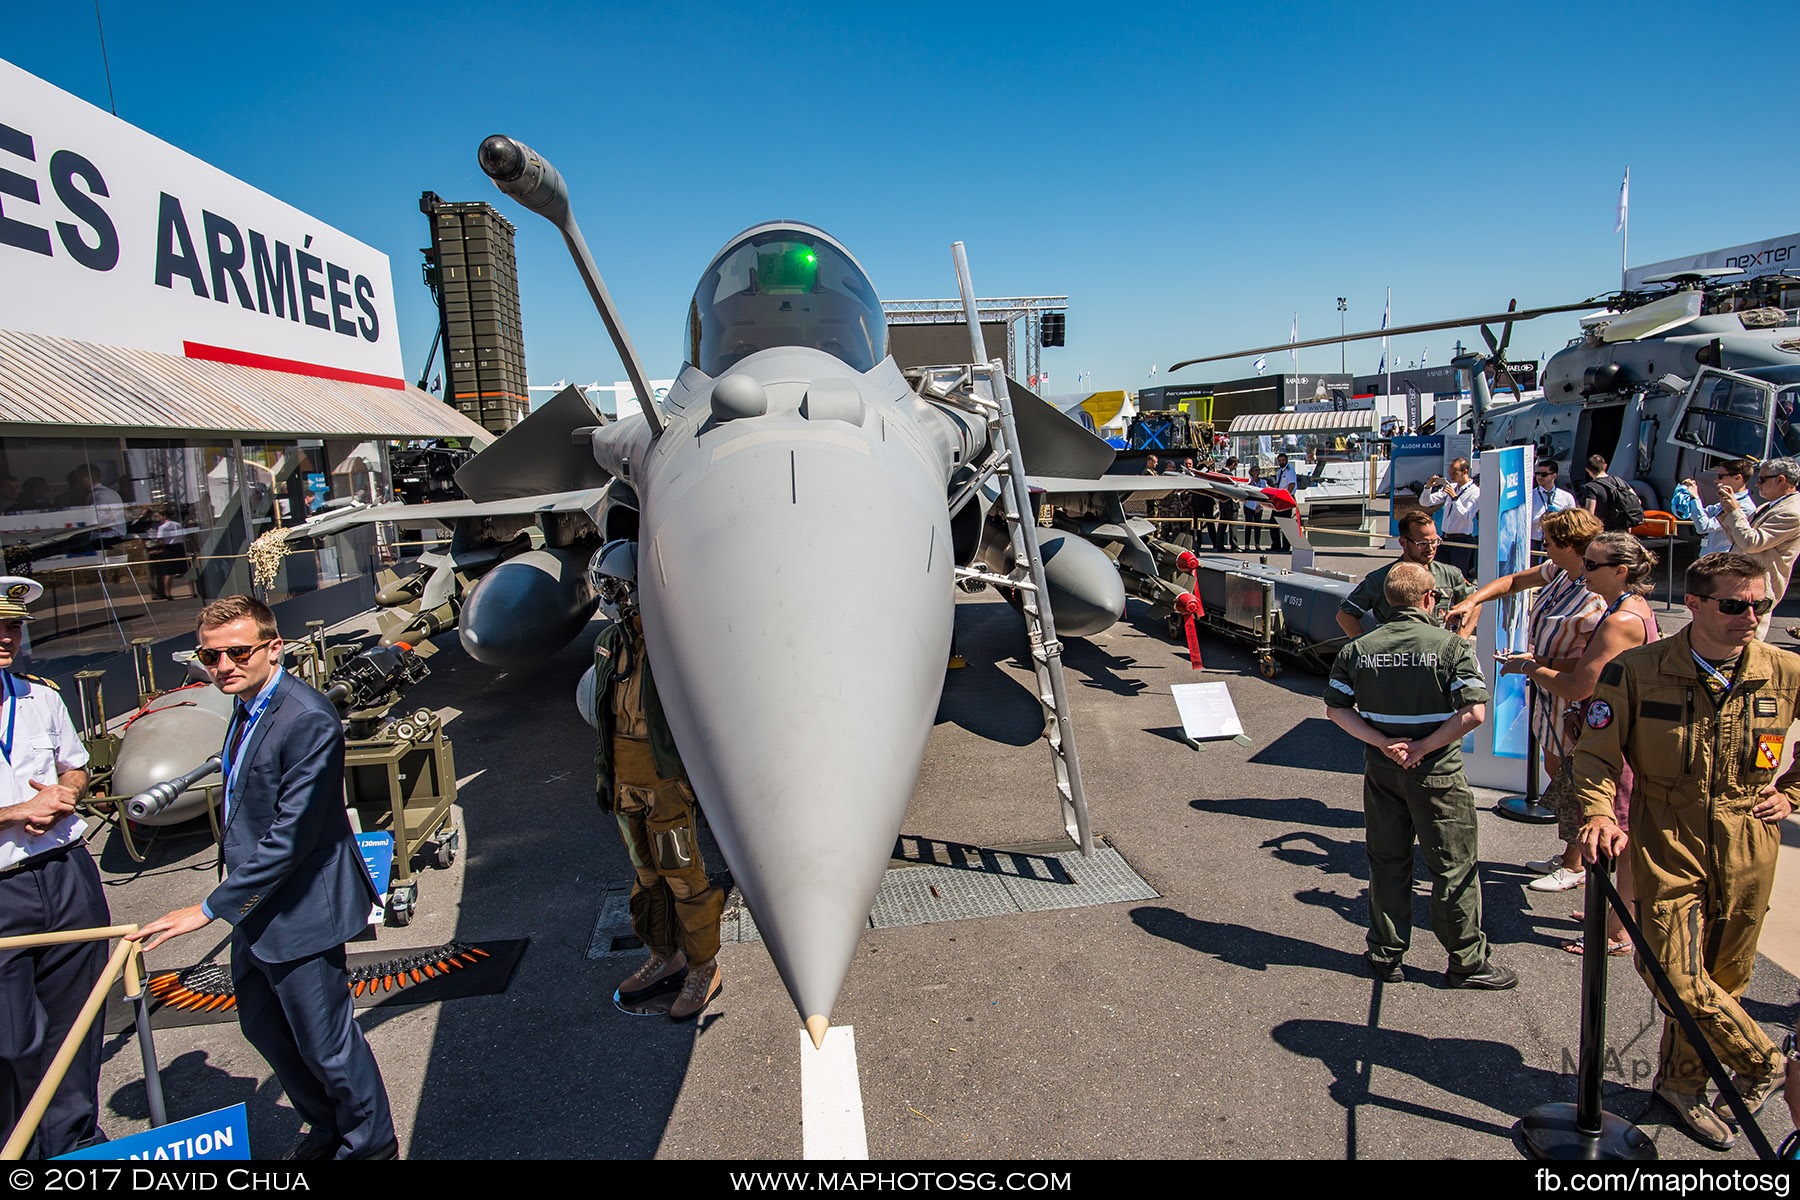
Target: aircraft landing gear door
{"type": "Point", "coordinates": [1730, 416]}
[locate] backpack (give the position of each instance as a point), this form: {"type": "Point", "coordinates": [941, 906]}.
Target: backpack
{"type": "Point", "coordinates": [1623, 510]}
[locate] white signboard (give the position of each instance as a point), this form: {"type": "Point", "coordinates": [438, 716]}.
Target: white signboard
{"type": "Point", "coordinates": [1752, 258]}
{"type": "Point", "coordinates": [109, 235]}
{"type": "Point", "coordinates": [1206, 711]}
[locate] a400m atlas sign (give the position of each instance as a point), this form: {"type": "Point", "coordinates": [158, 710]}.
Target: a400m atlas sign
{"type": "Point", "coordinates": [110, 235]}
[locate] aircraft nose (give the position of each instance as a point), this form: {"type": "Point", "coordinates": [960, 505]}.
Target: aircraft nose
{"type": "Point", "coordinates": [798, 608]}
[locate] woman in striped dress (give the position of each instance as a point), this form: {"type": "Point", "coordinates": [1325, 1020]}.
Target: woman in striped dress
{"type": "Point", "coordinates": [1564, 615]}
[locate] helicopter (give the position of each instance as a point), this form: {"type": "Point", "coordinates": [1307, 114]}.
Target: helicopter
{"type": "Point", "coordinates": [1684, 368]}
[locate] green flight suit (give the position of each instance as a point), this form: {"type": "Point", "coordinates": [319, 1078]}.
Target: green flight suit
{"type": "Point", "coordinates": [640, 780]}
{"type": "Point", "coordinates": [1704, 867]}
{"type": "Point", "coordinates": [1369, 598]}
{"type": "Point", "coordinates": [1407, 678]}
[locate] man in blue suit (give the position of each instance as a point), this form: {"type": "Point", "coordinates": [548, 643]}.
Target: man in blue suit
{"type": "Point", "coordinates": [296, 888]}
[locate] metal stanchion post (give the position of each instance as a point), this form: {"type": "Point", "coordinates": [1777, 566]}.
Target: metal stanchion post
{"type": "Point", "coordinates": [1526, 807]}
{"type": "Point", "coordinates": [1585, 1131]}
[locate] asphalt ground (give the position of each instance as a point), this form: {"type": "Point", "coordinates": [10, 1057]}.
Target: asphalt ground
{"type": "Point", "coordinates": [1228, 1018]}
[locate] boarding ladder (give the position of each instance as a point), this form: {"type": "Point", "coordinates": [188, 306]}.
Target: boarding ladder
{"type": "Point", "coordinates": [987, 387]}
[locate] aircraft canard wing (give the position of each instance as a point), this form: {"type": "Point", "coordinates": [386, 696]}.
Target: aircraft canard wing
{"type": "Point", "coordinates": [538, 456]}
{"type": "Point", "coordinates": [1053, 442]}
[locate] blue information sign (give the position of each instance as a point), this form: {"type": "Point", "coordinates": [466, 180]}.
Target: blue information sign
{"type": "Point", "coordinates": [224, 1134]}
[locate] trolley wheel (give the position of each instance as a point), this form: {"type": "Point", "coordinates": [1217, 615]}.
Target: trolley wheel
{"type": "Point", "coordinates": [1177, 627]}
{"type": "Point", "coordinates": [444, 855]}
{"type": "Point", "coordinates": [1268, 667]}
{"type": "Point", "coordinates": [400, 905]}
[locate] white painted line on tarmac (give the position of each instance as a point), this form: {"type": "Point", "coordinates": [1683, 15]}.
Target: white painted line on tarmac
{"type": "Point", "coordinates": [831, 1109]}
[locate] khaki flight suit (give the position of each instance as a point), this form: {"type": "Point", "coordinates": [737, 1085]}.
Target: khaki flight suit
{"type": "Point", "coordinates": [673, 905]}
{"type": "Point", "coordinates": [1406, 679]}
{"type": "Point", "coordinates": [1703, 866]}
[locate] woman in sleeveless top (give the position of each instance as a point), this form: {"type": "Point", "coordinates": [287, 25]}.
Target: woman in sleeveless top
{"type": "Point", "coordinates": [1617, 569]}
{"type": "Point", "coordinates": [1563, 617]}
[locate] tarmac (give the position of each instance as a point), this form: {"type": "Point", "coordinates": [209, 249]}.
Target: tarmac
{"type": "Point", "coordinates": [1228, 1017]}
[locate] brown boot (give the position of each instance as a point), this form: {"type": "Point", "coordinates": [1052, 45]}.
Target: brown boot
{"type": "Point", "coordinates": [660, 973]}
{"type": "Point", "coordinates": [702, 985]}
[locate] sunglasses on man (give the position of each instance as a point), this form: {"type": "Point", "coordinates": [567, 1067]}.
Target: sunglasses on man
{"type": "Point", "coordinates": [240, 655]}
{"type": "Point", "coordinates": [1736, 608]}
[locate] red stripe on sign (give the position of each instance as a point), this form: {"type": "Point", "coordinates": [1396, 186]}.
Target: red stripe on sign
{"type": "Point", "coordinates": [267, 362]}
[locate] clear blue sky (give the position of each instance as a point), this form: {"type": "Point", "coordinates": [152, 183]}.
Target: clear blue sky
{"type": "Point", "coordinates": [1189, 176]}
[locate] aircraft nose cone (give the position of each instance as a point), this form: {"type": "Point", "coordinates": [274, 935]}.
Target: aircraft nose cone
{"type": "Point", "coordinates": [798, 609]}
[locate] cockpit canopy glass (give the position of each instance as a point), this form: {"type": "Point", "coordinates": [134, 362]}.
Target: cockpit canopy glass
{"type": "Point", "coordinates": [785, 285]}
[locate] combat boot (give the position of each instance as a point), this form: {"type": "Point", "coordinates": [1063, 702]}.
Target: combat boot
{"type": "Point", "coordinates": [660, 973]}
{"type": "Point", "coordinates": [1755, 1090]}
{"type": "Point", "coordinates": [1697, 1116]}
{"type": "Point", "coordinates": [702, 985]}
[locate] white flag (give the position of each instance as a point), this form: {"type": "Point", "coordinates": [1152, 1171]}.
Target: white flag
{"type": "Point", "coordinates": [1153, 370]}
{"type": "Point", "coordinates": [1294, 336]}
{"type": "Point", "coordinates": [1624, 201]}
{"type": "Point", "coordinates": [1423, 355]}
{"type": "Point", "coordinates": [1261, 364]}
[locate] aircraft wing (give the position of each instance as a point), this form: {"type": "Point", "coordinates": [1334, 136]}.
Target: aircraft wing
{"type": "Point", "coordinates": [443, 512]}
{"type": "Point", "coordinates": [1155, 487]}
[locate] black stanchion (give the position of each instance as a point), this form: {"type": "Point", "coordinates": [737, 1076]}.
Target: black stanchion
{"type": "Point", "coordinates": [1585, 1131]}
{"type": "Point", "coordinates": [1527, 808]}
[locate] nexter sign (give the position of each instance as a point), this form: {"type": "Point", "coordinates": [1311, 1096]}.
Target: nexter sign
{"type": "Point", "coordinates": [1752, 258]}
{"type": "Point", "coordinates": [112, 236]}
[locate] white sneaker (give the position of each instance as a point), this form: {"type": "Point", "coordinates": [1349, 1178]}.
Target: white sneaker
{"type": "Point", "coordinates": [1560, 880]}
{"type": "Point", "coordinates": [1543, 866]}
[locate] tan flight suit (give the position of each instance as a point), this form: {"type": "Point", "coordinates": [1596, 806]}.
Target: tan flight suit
{"type": "Point", "coordinates": [673, 906]}
{"type": "Point", "coordinates": [1703, 866]}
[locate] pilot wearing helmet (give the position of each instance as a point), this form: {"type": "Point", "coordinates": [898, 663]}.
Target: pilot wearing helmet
{"type": "Point", "coordinates": [639, 778]}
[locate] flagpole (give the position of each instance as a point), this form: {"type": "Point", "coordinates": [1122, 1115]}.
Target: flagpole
{"type": "Point", "coordinates": [1387, 355]}
{"type": "Point", "coordinates": [1624, 224]}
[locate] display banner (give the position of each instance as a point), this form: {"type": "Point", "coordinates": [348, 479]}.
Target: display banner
{"type": "Point", "coordinates": [1495, 754]}
{"type": "Point", "coordinates": [109, 235]}
{"type": "Point", "coordinates": [1412, 461]}
{"type": "Point", "coordinates": [224, 1134]}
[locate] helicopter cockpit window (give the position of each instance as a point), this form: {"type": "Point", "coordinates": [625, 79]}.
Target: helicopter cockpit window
{"type": "Point", "coordinates": [1786, 443]}
{"type": "Point", "coordinates": [785, 286]}
{"type": "Point", "coordinates": [1727, 416]}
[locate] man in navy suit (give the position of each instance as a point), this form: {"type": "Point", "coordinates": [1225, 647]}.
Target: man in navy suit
{"type": "Point", "coordinates": [296, 888]}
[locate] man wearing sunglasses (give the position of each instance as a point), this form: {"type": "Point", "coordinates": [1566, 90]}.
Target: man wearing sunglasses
{"type": "Point", "coordinates": [1729, 477]}
{"type": "Point", "coordinates": [1701, 717]}
{"type": "Point", "coordinates": [296, 888]}
{"type": "Point", "coordinates": [1546, 498]}
{"type": "Point", "coordinates": [1367, 606]}
{"type": "Point", "coordinates": [1772, 535]}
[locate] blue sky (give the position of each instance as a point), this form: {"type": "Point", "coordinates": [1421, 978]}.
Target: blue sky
{"type": "Point", "coordinates": [1189, 176]}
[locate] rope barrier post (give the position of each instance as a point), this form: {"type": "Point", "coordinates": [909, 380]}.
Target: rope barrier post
{"type": "Point", "coordinates": [1585, 1131]}
{"type": "Point", "coordinates": [1527, 807]}
{"type": "Point", "coordinates": [139, 995]}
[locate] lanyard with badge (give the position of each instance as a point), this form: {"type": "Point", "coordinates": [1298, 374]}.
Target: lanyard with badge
{"type": "Point", "coordinates": [234, 743]}
{"type": "Point", "coordinates": [12, 715]}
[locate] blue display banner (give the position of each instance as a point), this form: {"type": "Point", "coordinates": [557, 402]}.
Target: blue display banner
{"type": "Point", "coordinates": [224, 1134]}
{"type": "Point", "coordinates": [1412, 461]}
{"type": "Point", "coordinates": [378, 856]}
{"type": "Point", "coordinates": [1511, 716]}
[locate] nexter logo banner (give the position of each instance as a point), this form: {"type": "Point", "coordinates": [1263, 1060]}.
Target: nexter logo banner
{"type": "Point", "coordinates": [110, 235]}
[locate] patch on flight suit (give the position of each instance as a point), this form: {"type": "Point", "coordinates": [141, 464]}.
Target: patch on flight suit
{"type": "Point", "coordinates": [603, 651]}
{"type": "Point", "coordinates": [1659, 710]}
{"type": "Point", "coordinates": [1765, 706]}
{"type": "Point", "coordinates": [1599, 714]}
{"type": "Point", "coordinates": [1611, 673]}
{"type": "Point", "coordinates": [1768, 751]}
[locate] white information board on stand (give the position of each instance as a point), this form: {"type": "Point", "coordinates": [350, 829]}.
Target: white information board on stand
{"type": "Point", "coordinates": [1207, 713]}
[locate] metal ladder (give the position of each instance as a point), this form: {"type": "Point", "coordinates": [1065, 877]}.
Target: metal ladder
{"type": "Point", "coordinates": [987, 386]}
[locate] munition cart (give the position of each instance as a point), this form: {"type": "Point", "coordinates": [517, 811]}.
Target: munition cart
{"type": "Point", "coordinates": [1272, 610]}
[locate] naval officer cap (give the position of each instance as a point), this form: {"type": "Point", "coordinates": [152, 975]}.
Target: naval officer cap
{"type": "Point", "coordinates": [16, 592]}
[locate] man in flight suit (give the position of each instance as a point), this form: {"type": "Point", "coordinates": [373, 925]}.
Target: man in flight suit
{"type": "Point", "coordinates": [1700, 717]}
{"type": "Point", "coordinates": [1418, 545]}
{"type": "Point", "coordinates": [639, 778]}
{"type": "Point", "coordinates": [1409, 691]}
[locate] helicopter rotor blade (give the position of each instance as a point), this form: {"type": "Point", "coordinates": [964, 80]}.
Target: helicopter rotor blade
{"type": "Point", "coordinates": [1398, 331]}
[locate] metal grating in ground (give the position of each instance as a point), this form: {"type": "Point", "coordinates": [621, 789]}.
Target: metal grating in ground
{"type": "Point", "coordinates": [957, 883]}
